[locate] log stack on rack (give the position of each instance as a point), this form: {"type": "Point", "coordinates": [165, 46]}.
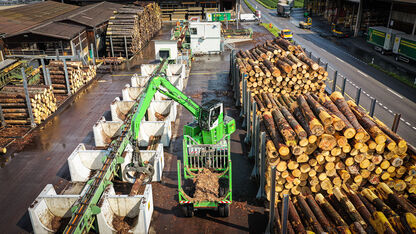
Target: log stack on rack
{"type": "Point", "coordinates": [318, 142]}
{"type": "Point", "coordinates": [138, 24]}
{"type": "Point", "coordinates": [277, 66]}
{"type": "Point", "coordinates": [78, 75]}
{"type": "Point", "coordinates": [371, 210]}
{"type": "Point", "coordinates": [13, 103]}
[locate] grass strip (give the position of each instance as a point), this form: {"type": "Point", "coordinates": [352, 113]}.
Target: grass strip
{"type": "Point", "coordinates": [298, 4]}
{"type": "Point", "coordinates": [394, 75]}
{"type": "Point", "coordinates": [250, 6]}
{"type": "Point", "coordinates": [273, 30]}
{"type": "Point", "coordinates": [269, 4]}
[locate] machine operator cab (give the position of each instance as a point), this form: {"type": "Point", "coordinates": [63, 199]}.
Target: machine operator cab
{"type": "Point", "coordinates": [212, 125]}
{"type": "Point", "coordinates": [211, 114]}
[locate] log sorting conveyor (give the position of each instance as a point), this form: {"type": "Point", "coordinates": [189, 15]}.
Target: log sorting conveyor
{"type": "Point", "coordinates": [210, 127]}
{"type": "Point", "coordinates": [83, 216]}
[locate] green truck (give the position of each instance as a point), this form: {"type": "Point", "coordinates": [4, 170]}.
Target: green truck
{"type": "Point", "coordinates": [405, 47]}
{"type": "Point", "coordinates": [382, 38]}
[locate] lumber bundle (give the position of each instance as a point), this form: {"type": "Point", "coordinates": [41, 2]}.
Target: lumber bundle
{"type": "Point", "coordinates": [78, 75]}
{"type": "Point", "coordinates": [138, 24]}
{"type": "Point", "coordinates": [370, 210]}
{"type": "Point", "coordinates": [277, 66]}
{"type": "Point", "coordinates": [319, 142]}
{"type": "Point", "coordinates": [15, 110]}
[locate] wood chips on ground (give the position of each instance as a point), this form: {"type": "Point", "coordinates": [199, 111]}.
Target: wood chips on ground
{"type": "Point", "coordinates": [206, 186]}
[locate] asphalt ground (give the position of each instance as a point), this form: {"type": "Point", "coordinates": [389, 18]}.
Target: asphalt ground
{"type": "Point", "coordinates": [392, 96]}
{"type": "Point", "coordinates": [44, 159]}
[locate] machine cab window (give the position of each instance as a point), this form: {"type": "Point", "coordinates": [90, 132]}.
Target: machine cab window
{"type": "Point", "coordinates": [210, 112]}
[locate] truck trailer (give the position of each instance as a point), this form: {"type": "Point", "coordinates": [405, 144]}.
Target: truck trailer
{"type": "Point", "coordinates": [283, 10]}
{"type": "Point", "coordinates": [405, 47]}
{"type": "Point", "coordinates": [382, 38]}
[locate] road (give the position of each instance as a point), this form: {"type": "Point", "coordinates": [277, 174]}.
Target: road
{"type": "Point", "coordinates": [392, 96]}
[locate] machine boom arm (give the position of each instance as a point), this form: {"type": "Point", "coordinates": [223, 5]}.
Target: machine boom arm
{"type": "Point", "coordinates": [156, 83]}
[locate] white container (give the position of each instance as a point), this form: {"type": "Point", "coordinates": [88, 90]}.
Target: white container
{"type": "Point", "coordinates": [155, 128]}
{"type": "Point", "coordinates": [105, 130]}
{"type": "Point", "coordinates": [119, 109]}
{"type": "Point", "coordinates": [139, 207]}
{"type": "Point", "coordinates": [139, 81]}
{"type": "Point", "coordinates": [166, 108]}
{"type": "Point", "coordinates": [82, 162]}
{"type": "Point", "coordinates": [157, 159]}
{"type": "Point", "coordinates": [49, 205]}
{"type": "Point", "coordinates": [129, 93]}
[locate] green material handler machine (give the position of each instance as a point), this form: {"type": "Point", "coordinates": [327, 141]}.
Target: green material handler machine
{"type": "Point", "coordinates": [209, 133]}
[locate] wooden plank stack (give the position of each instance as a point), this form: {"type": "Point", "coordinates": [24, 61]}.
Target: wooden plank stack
{"type": "Point", "coordinates": [137, 23]}
{"type": "Point", "coordinates": [13, 103]}
{"type": "Point", "coordinates": [277, 66]}
{"type": "Point", "coordinates": [78, 75]}
{"type": "Point", "coordinates": [371, 210]}
{"type": "Point", "coordinates": [318, 142]}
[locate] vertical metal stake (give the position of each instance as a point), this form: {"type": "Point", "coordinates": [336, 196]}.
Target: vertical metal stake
{"type": "Point", "coordinates": [319, 61]}
{"type": "Point", "coordinates": [253, 130]}
{"type": "Point", "coordinates": [243, 105]}
{"type": "Point", "coordinates": [262, 165]}
{"type": "Point", "coordinates": [326, 66]}
{"type": "Point", "coordinates": [396, 122]}
{"type": "Point", "coordinates": [111, 46]}
{"type": "Point", "coordinates": [29, 105]}
{"type": "Point", "coordinates": [272, 200]}
{"type": "Point", "coordinates": [125, 48]}
{"type": "Point", "coordinates": [344, 83]}
{"type": "Point", "coordinates": [68, 89]}
{"type": "Point", "coordinates": [248, 119]}
{"type": "Point", "coordinates": [334, 85]}
{"type": "Point", "coordinates": [372, 107]}
{"type": "Point", "coordinates": [357, 97]}
{"type": "Point", "coordinates": [285, 213]}
{"type": "Point", "coordinates": [57, 54]}
{"type": "Point", "coordinates": [42, 62]}
{"type": "Point", "coordinates": [257, 138]}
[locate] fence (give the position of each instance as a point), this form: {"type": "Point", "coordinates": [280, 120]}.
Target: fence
{"type": "Point", "coordinates": [251, 121]}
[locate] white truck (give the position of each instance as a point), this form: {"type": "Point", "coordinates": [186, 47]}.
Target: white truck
{"type": "Point", "coordinates": [248, 17]}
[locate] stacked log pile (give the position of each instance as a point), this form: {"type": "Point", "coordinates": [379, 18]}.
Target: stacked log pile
{"type": "Point", "coordinates": [138, 24]}
{"type": "Point", "coordinates": [318, 142]}
{"type": "Point", "coordinates": [277, 66]}
{"type": "Point", "coordinates": [78, 75]}
{"type": "Point", "coordinates": [15, 110]}
{"type": "Point", "coordinates": [371, 210]}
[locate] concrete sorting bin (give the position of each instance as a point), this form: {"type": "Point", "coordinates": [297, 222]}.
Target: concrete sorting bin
{"type": "Point", "coordinates": [119, 109]}
{"type": "Point", "coordinates": [155, 128]}
{"type": "Point", "coordinates": [82, 162]}
{"type": "Point", "coordinates": [176, 70]}
{"type": "Point", "coordinates": [139, 81]}
{"type": "Point", "coordinates": [131, 93]}
{"type": "Point", "coordinates": [147, 69]}
{"type": "Point", "coordinates": [177, 81]}
{"type": "Point", "coordinates": [157, 158]}
{"type": "Point", "coordinates": [49, 206]}
{"type": "Point", "coordinates": [105, 130]}
{"type": "Point", "coordinates": [166, 108]}
{"type": "Point", "coordinates": [139, 207]}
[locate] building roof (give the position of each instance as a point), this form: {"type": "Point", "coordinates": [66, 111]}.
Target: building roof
{"type": "Point", "coordinates": [91, 15]}
{"type": "Point", "coordinates": [25, 17]}
{"type": "Point", "coordinates": [57, 30]}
